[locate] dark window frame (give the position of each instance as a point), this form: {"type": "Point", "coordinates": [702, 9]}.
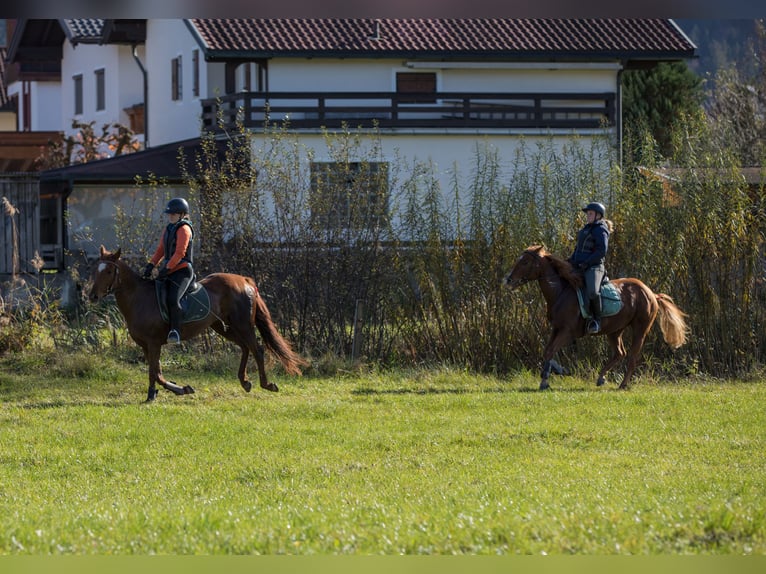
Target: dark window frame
{"type": "Point", "coordinates": [176, 75]}
{"type": "Point", "coordinates": [195, 73]}
{"type": "Point", "coordinates": [77, 82]}
{"type": "Point", "coordinates": [100, 76]}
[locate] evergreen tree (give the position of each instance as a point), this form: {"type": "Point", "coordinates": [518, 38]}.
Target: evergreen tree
{"type": "Point", "coordinates": [656, 98]}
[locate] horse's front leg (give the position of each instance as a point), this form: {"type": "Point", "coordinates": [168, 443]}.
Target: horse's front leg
{"type": "Point", "coordinates": [152, 357]}
{"type": "Point", "coordinates": [557, 340]}
{"type": "Point", "coordinates": [155, 376]}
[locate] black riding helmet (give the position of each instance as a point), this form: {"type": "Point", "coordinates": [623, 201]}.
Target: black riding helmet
{"type": "Point", "coordinates": [177, 205]}
{"type": "Point", "coordinates": [597, 207]}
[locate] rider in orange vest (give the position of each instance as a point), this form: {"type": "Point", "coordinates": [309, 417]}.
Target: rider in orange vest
{"type": "Point", "coordinates": [177, 254]}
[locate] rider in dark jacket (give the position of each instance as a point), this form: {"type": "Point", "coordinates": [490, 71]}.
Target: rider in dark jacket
{"type": "Point", "coordinates": [176, 250]}
{"type": "Point", "coordinates": [589, 256]}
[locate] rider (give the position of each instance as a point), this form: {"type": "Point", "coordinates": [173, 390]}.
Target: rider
{"type": "Point", "coordinates": [588, 258]}
{"type": "Point", "coordinates": [176, 250]}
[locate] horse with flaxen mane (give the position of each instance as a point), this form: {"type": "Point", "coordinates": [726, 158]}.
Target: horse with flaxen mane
{"type": "Point", "coordinates": [236, 310]}
{"type": "Point", "coordinates": [640, 306]}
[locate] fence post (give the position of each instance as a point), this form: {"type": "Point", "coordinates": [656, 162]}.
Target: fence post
{"type": "Point", "coordinates": [356, 347]}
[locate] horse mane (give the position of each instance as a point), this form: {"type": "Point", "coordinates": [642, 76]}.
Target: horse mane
{"type": "Point", "coordinates": [562, 267]}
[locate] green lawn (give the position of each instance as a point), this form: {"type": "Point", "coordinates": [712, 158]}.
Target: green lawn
{"type": "Point", "coordinates": [429, 462]}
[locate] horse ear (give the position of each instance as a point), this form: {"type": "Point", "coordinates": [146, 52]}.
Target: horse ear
{"type": "Point", "coordinates": [103, 250]}
{"type": "Point", "coordinates": [117, 253]}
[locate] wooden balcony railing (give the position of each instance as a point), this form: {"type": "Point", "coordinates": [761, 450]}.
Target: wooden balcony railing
{"type": "Point", "coordinates": [305, 110]}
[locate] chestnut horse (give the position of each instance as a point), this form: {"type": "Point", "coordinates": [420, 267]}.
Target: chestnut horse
{"type": "Point", "coordinates": [236, 309]}
{"type": "Point", "coordinates": [558, 281]}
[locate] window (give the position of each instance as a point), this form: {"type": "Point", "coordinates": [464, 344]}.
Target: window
{"type": "Point", "coordinates": [100, 91]}
{"type": "Point", "coordinates": [77, 94]}
{"type": "Point", "coordinates": [416, 83]}
{"type": "Point", "coordinates": [176, 76]}
{"type": "Point", "coordinates": [349, 195]}
{"type": "Point", "coordinates": [195, 73]}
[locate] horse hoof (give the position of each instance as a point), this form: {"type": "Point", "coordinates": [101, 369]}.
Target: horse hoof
{"type": "Point", "coordinates": [271, 387]}
{"type": "Point", "coordinates": [544, 386]}
{"type": "Point", "coordinates": [151, 396]}
{"type": "Point", "coordinates": [188, 390]}
{"type": "Point", "coordinates": [600, 382]}
{"type": "Point", "coordinates": [247, 385]}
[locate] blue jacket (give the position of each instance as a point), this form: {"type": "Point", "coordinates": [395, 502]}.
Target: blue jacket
{"type": "Point", "coordinates": [592, 244]}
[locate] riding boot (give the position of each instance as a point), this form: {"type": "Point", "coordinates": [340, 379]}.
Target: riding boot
{"type": "Point", "coordinates": [594, 326]}
{"type": "Point", "coordinates": [174, 335]}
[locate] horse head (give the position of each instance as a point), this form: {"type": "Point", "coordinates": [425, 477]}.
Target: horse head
{"type": "Point", "coordinates": [106, 274]}
{"type": "Point", "coordinates": [528, 267]}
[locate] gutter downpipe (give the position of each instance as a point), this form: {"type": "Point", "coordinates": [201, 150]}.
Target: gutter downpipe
{"type": "Point", "coordinates": [146, 98]}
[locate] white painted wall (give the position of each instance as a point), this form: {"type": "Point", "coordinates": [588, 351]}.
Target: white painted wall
{"type": "Point", "coordinates": [45, 98]}
{"type": "Point", "coordinates": [317, 74]}
{"type": "Point", "coordinates": [451, 156]}
{"type": "Point", "coordinates": [170, 120]}
{"type": "Point", "coordinates": [122, 78]}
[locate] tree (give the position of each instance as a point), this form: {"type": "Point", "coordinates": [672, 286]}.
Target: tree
{"type": "Point", "coordinates": [87, 145]}
{"type": "Point", "coordinates": [655, 99]}
{"type": "Point", "coordinates": [736, 106]}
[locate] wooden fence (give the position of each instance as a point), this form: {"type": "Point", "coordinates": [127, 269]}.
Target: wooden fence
{"type": "Point", "coordinates": [19, 222]}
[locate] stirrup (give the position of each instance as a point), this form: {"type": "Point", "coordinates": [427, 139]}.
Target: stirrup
{"type": "Point", "coordinates": [174, 337]}
{"type": "Point", "coordinates": [594, 326]}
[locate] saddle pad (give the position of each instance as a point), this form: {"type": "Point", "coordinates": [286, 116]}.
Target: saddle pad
{"type": "Point", "coordinates": [611, 303]}
{"type": "Point", "coordinates": [195, 303]}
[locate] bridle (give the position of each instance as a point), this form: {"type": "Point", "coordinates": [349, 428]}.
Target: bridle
{"type": "Point", "coordinates": [551, 277]}
{"type": "Point", "coordinates": [115, 284]}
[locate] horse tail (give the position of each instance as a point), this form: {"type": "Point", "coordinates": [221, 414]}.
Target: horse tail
{"type": "Point", "coordinates": [274, 342]}
{"type": "Point", "coordinates": [672, 321]}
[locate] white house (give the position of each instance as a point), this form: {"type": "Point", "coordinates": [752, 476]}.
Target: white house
{"type": "Point", "coordinates": [432, 89]}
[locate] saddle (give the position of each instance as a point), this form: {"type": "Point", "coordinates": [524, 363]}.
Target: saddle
{"type": "Point", "coordinates": [195, 303]}
{"type": "Point", "coordinates": [611, 303]}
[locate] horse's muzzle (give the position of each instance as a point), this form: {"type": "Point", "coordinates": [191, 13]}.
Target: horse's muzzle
{"type": "Point", "coordinates": [512, 283]}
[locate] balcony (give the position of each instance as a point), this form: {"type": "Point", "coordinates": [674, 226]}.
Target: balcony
{"type": "Point", "coordinates": [307, 110]}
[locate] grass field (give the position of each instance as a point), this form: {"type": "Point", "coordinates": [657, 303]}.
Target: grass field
{"type": "Point", "coordinates": [429, 462]}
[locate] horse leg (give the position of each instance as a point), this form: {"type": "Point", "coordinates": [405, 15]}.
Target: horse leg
{"type": "Point", "coordinates": [155, 376]}
{"type": "Point", "coordinates": [154, 365]}
{"type": "Point", "coordinates": [618, 353]}
{"type": "Point", "coordinates": [248, 343]}
{"type": "Point", "coordinates": [635, 352]}
{"type": "Point", "coordinates": [259, 354]}
{"type": "Point", "coordinates": [246, 384]}
{"type": "Point", "coordinates": [558, 339]}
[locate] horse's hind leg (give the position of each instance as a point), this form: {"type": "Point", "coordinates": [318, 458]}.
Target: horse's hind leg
{"type": "Point", "coordinates": [635, 352]}
{"type": "Point", "coordinates": [618, 353]}
{"type": "Point", "coordinates": [242, 374]}
{"type": "Point", "coordinates": [251, 344]}
{"type": "Point", "coordinates": [248, 343]}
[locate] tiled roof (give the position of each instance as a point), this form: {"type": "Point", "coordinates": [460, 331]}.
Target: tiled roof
{"type": "Point", "coordinates": [499, 37]}
{"type": "Point", "coordinates": [83, 29]}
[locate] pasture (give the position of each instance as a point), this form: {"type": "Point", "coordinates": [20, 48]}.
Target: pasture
{"type": "Point", "coordinates": [417, 462]}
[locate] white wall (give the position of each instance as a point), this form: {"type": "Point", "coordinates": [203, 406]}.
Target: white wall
{"type": "Point", "coordinates": [122, 77]}
{"type": "Point", "coordinates": [170, 120]}
{"type": "Point", "coordinates": [299, 74]}
{"type": "Point", "coordinates": [453, 158]}
{"type": "Point", "coordinates": [46, 104]}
